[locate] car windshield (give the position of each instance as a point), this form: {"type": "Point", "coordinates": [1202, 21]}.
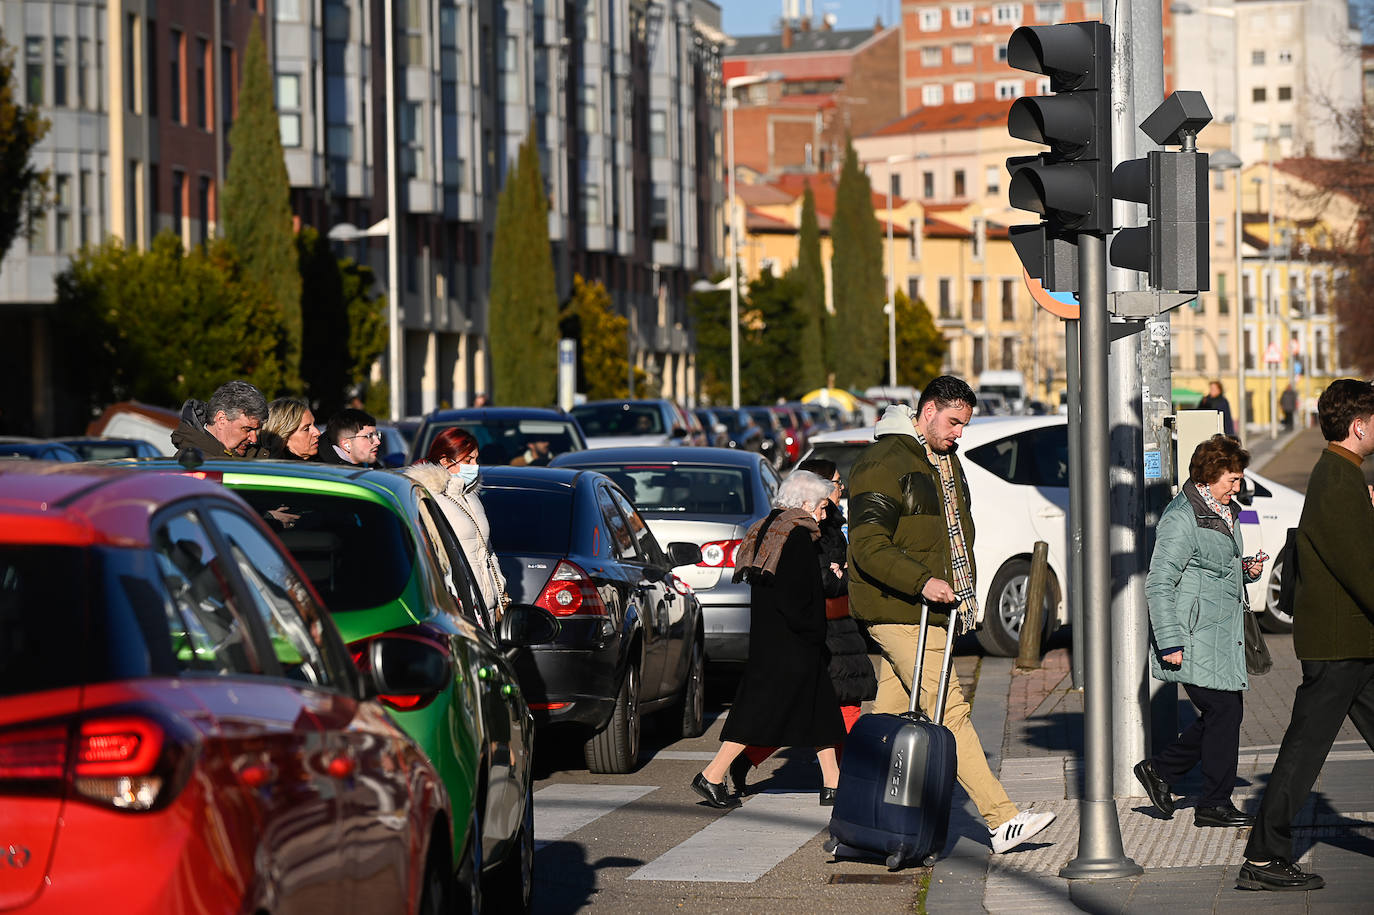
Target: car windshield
{"type": "Point", "coordinates": [620, 419]}
{"type": "Point", "coordinates": [527, 521]}
{"type": "Point", "coordinates": [357, 553]}
{"type": "Point", "coordinates": [844, 454]}
{"type": "Point", "coordinates": [513, 441]}
{"type": "Point", "coordinates": [680, 490]}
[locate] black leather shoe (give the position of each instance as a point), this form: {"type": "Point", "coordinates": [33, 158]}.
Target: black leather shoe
{"type": "Point", "coordinates": [1277, 875]}
{"type": "Point", "coordinates": [1225, 815]}
{"type": "Point", "coordinates": [827, 797]}
{"type": "Point", "coordinates": [714, 793]}
{"type": "Point", "coordinates": [739, 774]}
{"type": "Point", "coordinates": [1156, 788]}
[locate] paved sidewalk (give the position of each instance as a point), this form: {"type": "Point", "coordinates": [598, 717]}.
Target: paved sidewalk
{"type": "Point", "coordinates": [1039, 719]}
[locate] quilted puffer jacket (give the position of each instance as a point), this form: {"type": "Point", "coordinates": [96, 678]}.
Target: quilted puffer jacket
{"type": "Point", "coordinates": [1196, 593]}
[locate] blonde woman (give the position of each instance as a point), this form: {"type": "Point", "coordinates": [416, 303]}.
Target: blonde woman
{"type": "Point", "coordinates": [290, 430]}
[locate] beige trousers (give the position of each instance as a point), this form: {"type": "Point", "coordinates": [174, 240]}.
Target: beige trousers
{"type": "Point", "coordinates": [897, 642]}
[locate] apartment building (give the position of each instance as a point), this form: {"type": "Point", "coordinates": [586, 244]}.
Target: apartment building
{"type": "Point", "coordinates": [624, 96]}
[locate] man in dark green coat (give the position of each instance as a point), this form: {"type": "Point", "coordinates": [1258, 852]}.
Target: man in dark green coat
{"type": "Point", "coordinates": [1333, 631]}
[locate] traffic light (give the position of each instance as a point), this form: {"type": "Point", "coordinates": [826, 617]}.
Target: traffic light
{"type": "Point", "coordinates": [1173, 247]}
{"type": "Point", "coordinates": [1070, 184]}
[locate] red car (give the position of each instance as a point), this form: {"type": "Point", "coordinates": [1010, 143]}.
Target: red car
{"type": "Point", "coordinates": [181, 727]}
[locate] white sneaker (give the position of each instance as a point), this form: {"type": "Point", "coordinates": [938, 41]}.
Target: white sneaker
{"type": "Point", "coordinates": [1018, 829]}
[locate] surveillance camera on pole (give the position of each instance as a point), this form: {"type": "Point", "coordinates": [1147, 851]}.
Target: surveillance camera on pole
{"type": "Point", "coordinates": [1069, 185]}
{"type": "Point", "coordinates": [1173, 247]}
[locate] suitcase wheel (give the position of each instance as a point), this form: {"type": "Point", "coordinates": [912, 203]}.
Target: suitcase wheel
{"type": "Point", "coordinates": [929, 860]}
{"type": "Point", "coordinates": [897, 858]}
{"type": "Point", "coordinates": [830, 845]}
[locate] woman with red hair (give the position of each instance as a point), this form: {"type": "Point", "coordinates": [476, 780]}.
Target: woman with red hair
{"type": "Point", "coordinates": [450, 472]}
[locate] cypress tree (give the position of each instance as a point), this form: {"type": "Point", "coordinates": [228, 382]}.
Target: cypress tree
{"type": "Point", "coordinates": [810, 277]}
{"type": "Point", "coordinates": [770, 339]}
{"type": "Point", "coordinates": [920, 345]}
{"type": "Point", "coordinates": [523, 299]}
{"type": "Point", "coordinates": [256, 204]}
{"type": "Point", "coordinates": [857, 334]}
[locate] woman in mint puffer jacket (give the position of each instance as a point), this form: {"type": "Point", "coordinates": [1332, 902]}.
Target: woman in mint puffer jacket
{"type": "Point", "coordinates": [1196, 593]}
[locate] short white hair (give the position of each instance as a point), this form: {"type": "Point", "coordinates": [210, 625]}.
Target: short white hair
{"type": "Point", "coordinates": [801, 487]}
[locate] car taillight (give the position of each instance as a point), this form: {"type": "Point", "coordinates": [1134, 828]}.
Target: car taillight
{"type": "Point", "coordinates": [400, 702]}
{"type": "Point", "coordinates": [719, 554]}
{"type": "Point", "coordinates": [570, 592]}
{"type": "Point", "coordinates": [33, 755]}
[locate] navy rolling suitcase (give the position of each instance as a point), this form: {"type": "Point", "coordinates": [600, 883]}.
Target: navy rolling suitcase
{"type": "Point", "coordinates": [897, 778]}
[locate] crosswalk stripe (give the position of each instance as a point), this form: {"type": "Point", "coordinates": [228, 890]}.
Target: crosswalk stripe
{"type": "Point", "coordinates": [563, 809]}
{"type": "Point", "coordinates": [745, 844]}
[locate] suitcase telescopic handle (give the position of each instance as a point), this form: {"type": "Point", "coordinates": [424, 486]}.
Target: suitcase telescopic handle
{"type": "Point", "coordinates": [945, 666]}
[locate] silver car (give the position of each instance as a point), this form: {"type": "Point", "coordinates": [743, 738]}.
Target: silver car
{"type": "Point", "coordinates": [706, 496]}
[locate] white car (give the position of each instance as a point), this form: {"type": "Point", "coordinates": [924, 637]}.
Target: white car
{"type": "Point", "coordinates": [1018, 477]}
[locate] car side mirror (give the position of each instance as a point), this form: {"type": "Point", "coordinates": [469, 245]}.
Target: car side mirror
{"type": "Point", "coordinates": [405, 666]}
{"type": "Point", "coordinates": [681, 553]}
{"type": "Point", "coordinates": [1247, 492]}
{"type": "Point", "coordinates": [526, 624]}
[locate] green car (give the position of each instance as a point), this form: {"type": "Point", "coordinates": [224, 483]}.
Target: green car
{"type": "Point", "coordinates": [387, 564]}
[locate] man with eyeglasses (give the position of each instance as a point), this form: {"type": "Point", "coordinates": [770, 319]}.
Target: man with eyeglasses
{"type": "Point", "coordinates": [353, 439]}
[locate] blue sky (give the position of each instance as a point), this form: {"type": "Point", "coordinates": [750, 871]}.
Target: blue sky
{"type": "Point", "coordinates": [756, 17]}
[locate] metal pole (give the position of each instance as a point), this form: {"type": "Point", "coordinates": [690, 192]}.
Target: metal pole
{"type": "Point", "coordinates": [734, 259]}
{"type": "Point", "coordinates": [393, 235]}
{"type": "Point", "coordinates": [891, 292]}
{"type": "Point", "coordinates": [1073, 378]}
{"type": "Point", "coordinates": [1242, 351]}
{"type": "Point", "coordinates": [1100, 853]}
{"type": "Point", "coordinates": [1273, 303]}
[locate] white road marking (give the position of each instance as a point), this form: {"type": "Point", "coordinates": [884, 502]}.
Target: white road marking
{"type": "Point", "coordinates": [563, 809]}
{"type": "Point", "coordinates": [745, 844]}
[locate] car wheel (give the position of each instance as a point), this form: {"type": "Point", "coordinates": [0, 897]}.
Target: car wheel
{"type": "Point", "coordinates": [615, 748]}
{"type": "Point", "coordinates": [513, 880]}
{"type": "Point", "coordinates": [694, 694]}
{"type": "Point", "coordinates": [1001, 632]}
{"type": "Point", "coordinates": [436, 894]}
{"type": "Point", "coordinates": [470, 871]}
{"type": "Point", "coordinates": [1271, 618]}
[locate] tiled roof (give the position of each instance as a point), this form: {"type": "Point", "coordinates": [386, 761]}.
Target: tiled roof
{"type": "Point", "coordinates": [939, 228]}
{"type": "Point", "coordinates": [810, 42]}
{"type": "Point", "coordinates": [954, 116]}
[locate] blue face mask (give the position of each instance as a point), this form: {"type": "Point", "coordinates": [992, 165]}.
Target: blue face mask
{"type": "Point", "coordinates": [467, 473]}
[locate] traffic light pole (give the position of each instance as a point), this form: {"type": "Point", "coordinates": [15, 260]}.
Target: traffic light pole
{"type": "Point", "coordinates": [1100, 853]}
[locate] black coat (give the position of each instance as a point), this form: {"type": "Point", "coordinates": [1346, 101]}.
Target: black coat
{"type": "Point", "coordinates": [785, 698]}
{"type": "Point", "coordinates": [833, 548]}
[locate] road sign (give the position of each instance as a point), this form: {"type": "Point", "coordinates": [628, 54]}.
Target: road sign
{"type": "Point", "coordinates": [1272, 354]}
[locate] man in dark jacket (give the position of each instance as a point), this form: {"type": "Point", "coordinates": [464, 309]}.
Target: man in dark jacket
{"type": "Point", "coordinates": [1333, 632]}
{"type": "Point", "coordinates": [911, 541]}
{"type": "Point", "coordinates": [226, 426]}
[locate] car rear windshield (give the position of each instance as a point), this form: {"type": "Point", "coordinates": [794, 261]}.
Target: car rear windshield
{"type": "Point", "coordinates": [620, 419]}
{"type": "Point", "coordinates": [505, 441]}
{"type": "Point", "coordinates": [72, 615]}
{"type": "Point", "coordinates": [358, 554]}
{"type": "Point", "coordinates": [684, 490]}
{"type": "Point", "coordinates": [528, 520]}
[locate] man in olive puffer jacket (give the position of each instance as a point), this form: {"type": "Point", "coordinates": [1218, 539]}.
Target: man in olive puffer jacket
{"type": "Point", "coordinates": [1333, 632]}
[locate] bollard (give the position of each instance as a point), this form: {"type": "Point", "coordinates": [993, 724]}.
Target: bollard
{"type": "Point", "coordinates": [1033, 622]}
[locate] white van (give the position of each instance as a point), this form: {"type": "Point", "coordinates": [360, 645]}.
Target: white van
{"type": "Point", "coordinates": [1011, 385]}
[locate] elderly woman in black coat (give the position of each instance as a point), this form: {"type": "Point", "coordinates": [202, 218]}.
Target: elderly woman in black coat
{"type": "Point", "coordinates": [785, 697]}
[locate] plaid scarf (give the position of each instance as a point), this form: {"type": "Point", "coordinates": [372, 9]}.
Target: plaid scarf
{"type": "Point", "coordinates": [1215, 505]}
{"type": "Point", "coordinates": [967, 613]}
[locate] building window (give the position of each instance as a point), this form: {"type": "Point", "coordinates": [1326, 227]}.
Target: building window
{"type": "Point", "coordinates": [927, 185]}
{"type": "Point", "coordinates": [946, 301]}
{"type": "Point", "coordinates": [1249, 350]}
{"type": "Point", "coordinates": [1009, 301]}
{"type": "Point", "coordinates": [1042, 85]}
{"type": "Point", "coordinates": [591, 115]}
{"type": "Point", "coordinates": [410, 134]}
{"type": "Point", "coordinates": [1257, 58]}
{"type": "Point", "coordinates": [414, 47]}
{"type": "Point", "coordinates": [1008, 88]}
{"type": "Point", "coordinates": [1219, 232]}
{"type": "Point", "coordinates": [975, 300]}
{"type": "Point", "coordinates": [174, 83]}
{"type": "Point", "coordinates": [913, 241]}
{"type": "Point", "coordinates": [1049, 12]}
{"type": "Point", "coordinates": [1001, 53]}
{"type": "Point", "coordinates": [179, 204]}
{"type": "Point", "coordinates": [1261, 132]}
{"type": "Point", "coordinates": [963, 92]}
{"type": "Point", "coordinates": [1223, 351]}
{"type": "Point", "coordinates": [1009, 353]}
{"type": "Point", "coordinates": [961, 17]}
{"type": "Point", "coordinates": [288, 108]}
{"type": "Point", "coordinates": [659, 218]}
{"type": "Point", "coordinates": [511, 76]}
{"type": "Point", "coordinates": [960, 189]}
{"type": "Point", "coordinates": [932, 95]}
{"type": "Point", "coordinates": [204, 196]}
{"type": "Point", "coordinates": [288, 10]}
{"type": "Point", "coordinates": [979, 359]}
{"type": "Point", "coordinates": [1199, 351]}
{"type": "Point", "coordinates": [894, 185]}
{"type": "Point", "coordinates": [1223, 300]}
{"type": "Point", "coordinates": [83, 62]}
{"type": "Point", "coordinates": [1285, 57]}
{"type": "Point", "coordinates": [131, 100]}
{"type": "Point", "coordinates": [202, 84]}
{"type": "Point", "coordinates": [61, 69]}
{"type": "Point", "coordinates": [228, 80]}
{"type": "Point", "coordinates": [993, 179]}
{"type": "Point", "coordinates": [913, 289]}
{"type": "Point", "coordinates": [1319, 353]}
{"type": "Point", "coordinates": [932, 57]}
{"type": "Point", "coordinates": [961, 53]}
{"type": "Point", "coordinates": [33, 71]}
{"type": "Point", "coordinates": [62, 212]}
{"type": "Point", "coordinates": [1007, 14]}
{"type": "Point", "coordinates": [930, 19]}
{"type": "Point", "coordinates": [87, 225]}
{"type": "Point", "coordinates": [658, 134]}
{"type": "Point", "coordinates": [1258, 94]}
{"type": "Point", "coordinates": [1285, 93]}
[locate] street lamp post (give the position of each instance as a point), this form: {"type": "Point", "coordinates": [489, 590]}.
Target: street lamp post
{"type": "Point", "coordinates": [393, 236]}
{"type": "Point", "coordinates": [731, 104]}
{"type": "Point", "coordinates": [346, 231]}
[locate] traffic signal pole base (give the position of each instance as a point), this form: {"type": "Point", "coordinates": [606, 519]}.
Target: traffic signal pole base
{"type": "Point", "coordinates": [1100, 855]}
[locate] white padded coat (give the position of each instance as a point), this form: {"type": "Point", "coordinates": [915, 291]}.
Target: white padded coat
{"type": "Point", "coordinates": [465, 515]}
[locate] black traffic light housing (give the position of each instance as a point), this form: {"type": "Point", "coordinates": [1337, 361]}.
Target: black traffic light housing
{"type": "Point", "coordinates": [1173, 247]}
{"type": "Point", "coordinates": [1070, 184]}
